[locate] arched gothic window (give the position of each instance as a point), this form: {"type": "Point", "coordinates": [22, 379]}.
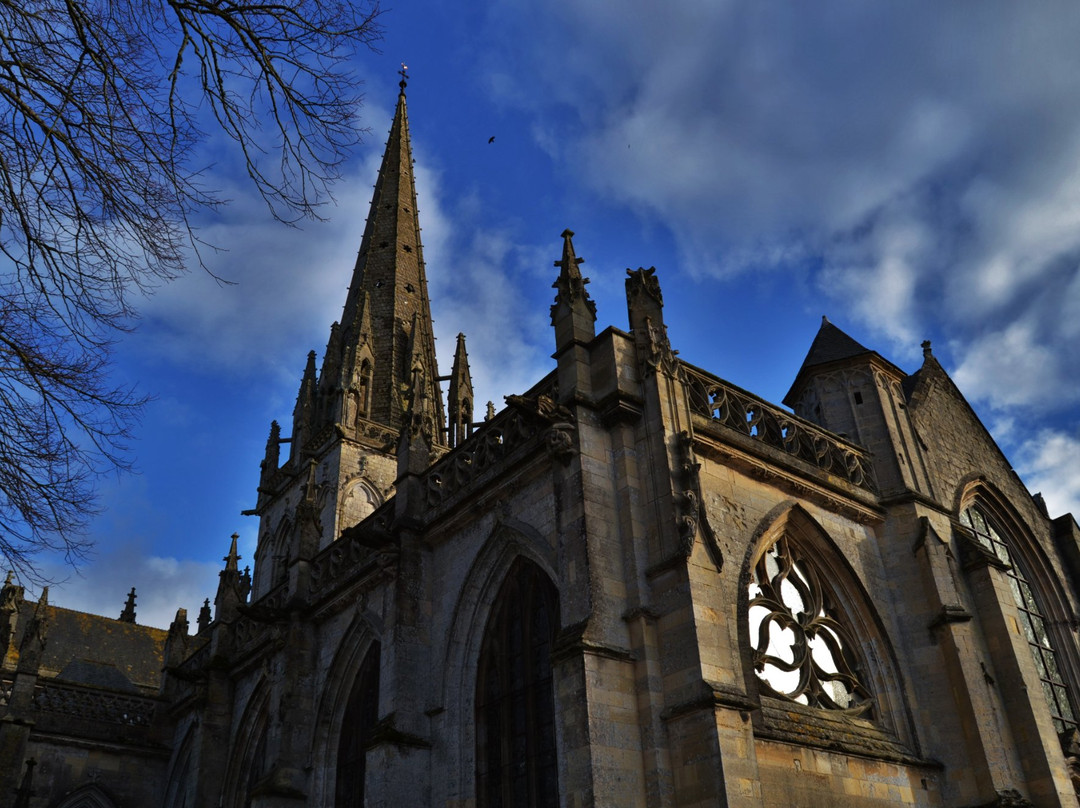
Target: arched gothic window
{"type": "Point", "coordinates": [802, 648]}
{"type": "Point", "coordinates": [516, 763]}
{"type": "Point", "coordinates": [357, 725]}
{"type": "Point", "coordinates": [1054, 685]}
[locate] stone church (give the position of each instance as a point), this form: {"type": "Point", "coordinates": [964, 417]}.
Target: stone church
{"type": "Point", "coordinates": [637, 584]}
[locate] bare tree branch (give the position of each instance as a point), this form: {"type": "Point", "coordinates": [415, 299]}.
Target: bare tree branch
{"type": "Point", "coordinates": [103, 104]}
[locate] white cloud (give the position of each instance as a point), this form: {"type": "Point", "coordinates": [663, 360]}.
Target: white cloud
{"type": "Point", "coordinates": [479, 281]}
{"type": "Point", "coordinates": [923, 158]}
{"type": "Point", "coordinates": [162, 585]}
{"type": "Point", "coordinates": [1011, 368]}
{"type": "Point", "coordinates": [1048, 464]}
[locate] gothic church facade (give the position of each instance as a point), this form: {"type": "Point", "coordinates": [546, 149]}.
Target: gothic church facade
{"type": "Point", "coordinates": [635, 585]}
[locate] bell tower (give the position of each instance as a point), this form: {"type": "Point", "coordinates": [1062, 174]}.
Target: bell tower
{"type": "Point", "coordinates": [341, 462]}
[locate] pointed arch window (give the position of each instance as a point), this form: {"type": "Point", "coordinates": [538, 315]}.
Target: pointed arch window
{"type": "Point", "coordinates": [801, 645]}
{"type": "Point", "coordinates": [516, 763]}
{"type": "Point", "coordinates": [357, 728]}
{"type": "Point", "coordinates": [1032, 619]}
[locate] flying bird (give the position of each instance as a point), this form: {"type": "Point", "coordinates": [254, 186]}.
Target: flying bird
{"type": "Point", "coordinates": [491, 139]}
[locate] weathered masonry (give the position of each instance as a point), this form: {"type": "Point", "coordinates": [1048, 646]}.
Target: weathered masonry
{"type": "Point", "coordinates": [635, 585]}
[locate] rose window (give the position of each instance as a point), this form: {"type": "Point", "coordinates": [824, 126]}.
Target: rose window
{"type": "Point", "coordinates": [801, 651]}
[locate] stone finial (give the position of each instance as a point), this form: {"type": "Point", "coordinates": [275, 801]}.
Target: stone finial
{"type": "Point", "coordinates": [128, 614]}
{"type": "Point", "coordinates": [204, 616]}
{"type": "Point", "coordinates": [419, 418]}
{"type": "Point", "coordinates": [36, 635]}
{"type": "Point", "coordinates": [245, 583]}
{"type": "Point", "coordinates": [573, 314]}
{"type": "Point", "coordinates": [926, 352]}
{"type": "Point", "coordinates": [179, 625]}
{"type": "Point", "coordinates": [460, 396]}
{"type": "Point", "coordinates": [233, 556]}
{"type": "Point", "coordinates": [273, 448]}
{"type": "Point", "coordinates": [11, 594]}
{"type": "Point", "coordinates": [304, 411]}
{"type": "Point", "coordinates": [645, 307]}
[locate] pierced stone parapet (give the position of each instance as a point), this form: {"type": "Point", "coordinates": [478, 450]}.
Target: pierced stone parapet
{"type": "Point", "coordinates": [530, 420]}
{"type": "Point", "coordinates": [736, 409]}
{"type": "Point", "coordinates": [338, 561]}
{"type": "Point", "coordinates": [109, 708]}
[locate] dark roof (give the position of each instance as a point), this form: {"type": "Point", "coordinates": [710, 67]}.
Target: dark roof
{"type": "Point", "coordinates": [830, 345]}
{"type": "Point", "coordinates": [99, 674]}
{"type": "Point", "coordinates": [91, 641]}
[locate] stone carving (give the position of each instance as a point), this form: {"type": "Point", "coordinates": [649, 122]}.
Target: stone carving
{"type": "Point", "coordinates": [487, 448]}
{"type": "Point", "coordinates": [660, 355]}
{"type": "Point", "coordinates": [643, 282]}
{"type": "Point", "coordinates": [110, 708]}
{"type": "Point", "coordinates": [690, 507]}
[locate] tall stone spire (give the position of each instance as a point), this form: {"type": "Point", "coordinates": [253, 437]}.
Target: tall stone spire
{"type": "Point", "coordinates": [388, 294]}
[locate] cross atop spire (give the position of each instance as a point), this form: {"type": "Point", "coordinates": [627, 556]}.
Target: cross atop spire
{"type": "Point", "coordinates": [404, 73]}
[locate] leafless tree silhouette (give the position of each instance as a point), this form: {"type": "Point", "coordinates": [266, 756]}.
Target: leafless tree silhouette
{"type": "Point", "coordinates": [103, 107]}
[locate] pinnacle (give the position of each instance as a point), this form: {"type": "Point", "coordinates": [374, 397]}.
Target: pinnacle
{"type": "Point", "coordinates": [231, 559]}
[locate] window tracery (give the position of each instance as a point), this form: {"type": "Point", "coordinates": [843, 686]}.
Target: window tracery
{"type": "Point", "coordinates": [357, 726]}
{"type": "Point", "coordinates": [1032, 620]}
{"type": "Point", "coordinates": [801, 647]}
{"type": "Point", "coordinates": [515, 709]}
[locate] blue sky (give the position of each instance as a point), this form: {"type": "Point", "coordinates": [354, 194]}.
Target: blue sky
{"type": "Point", "coordinates": [911, 170]}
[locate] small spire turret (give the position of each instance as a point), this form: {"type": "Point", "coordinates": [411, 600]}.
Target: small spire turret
{"type": "Point", "coordinates": [460, 396]}
{"type": "Point", "coordinates": [304, 411]}
{"type": "Point", "coordinates": [230, 592]}
{"type": "Point", "coordinates": [205, 617]}
{"type": "Point", "coordinates": [233, 556]}
{"type": "Point", "coordinates": [128, 614]}
{"type": "Point", "coordinates": [573, 314]}
{"type": "Point", "coordinates": [272, 458]}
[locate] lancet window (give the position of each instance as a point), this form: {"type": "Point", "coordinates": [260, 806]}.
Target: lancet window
{"type": "Point", "coordinates": [357, 726]}
{"type": "Point", "coordinates": [801, 645]}
{"type": "Point", "coordinates": [1032, 619]}
{"type": "Point", "coordinates": [515, 708]}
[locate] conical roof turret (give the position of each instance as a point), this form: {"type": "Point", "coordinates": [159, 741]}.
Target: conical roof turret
{"type": "Point", "coordinates": [831, 345]}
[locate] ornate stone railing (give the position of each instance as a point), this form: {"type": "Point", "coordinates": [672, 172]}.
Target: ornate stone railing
{"type": "Point", "coordinates": [749, 415]}
{"type": "Point", "coordinates": [346, 554]}
{"type": "Point", "coordinates": [487, 449]}
{"type": "Point", "coordinates": [95, 705]}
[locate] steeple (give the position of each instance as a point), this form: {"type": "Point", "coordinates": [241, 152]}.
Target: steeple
{"type": "Point", "coordinates": [388, 294]}
{"type": "Point", "coordinates": [378, 383]}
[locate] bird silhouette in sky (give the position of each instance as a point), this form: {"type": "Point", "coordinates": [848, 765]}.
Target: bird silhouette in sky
{"type": "Point", "coordinates": [491, 139]}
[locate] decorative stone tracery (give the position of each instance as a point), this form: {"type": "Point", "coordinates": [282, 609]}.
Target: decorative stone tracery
{"type": "Point", "coordinates": [801, 648]}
